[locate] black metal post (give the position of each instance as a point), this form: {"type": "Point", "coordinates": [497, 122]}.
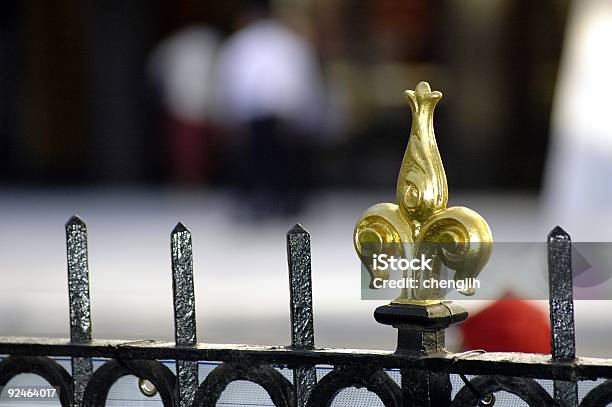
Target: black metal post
{"type": "Point", "coordinates": [302, 328]}
{"type": "Point", "coordinates": [421, 333]}
{"type": "Point", "coordinates": [561, 302]}
{"type": "Point", "coordinates": [80, 308]}
{"type": "Point", "coordinates": [184, 311]}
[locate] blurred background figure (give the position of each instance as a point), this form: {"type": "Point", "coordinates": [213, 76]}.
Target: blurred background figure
{"type": "Point", "coordinates": [78, 107]}
{"type": "Point", "coordinates": [181, 68]}
{"type": "Point", "coordinates": [577, 192]}
{"type": "Point", "coordinates": [270, 100]}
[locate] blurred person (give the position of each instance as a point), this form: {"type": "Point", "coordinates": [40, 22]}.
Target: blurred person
{"type": "Point", "coordinates": [269, 95]}
{"type": "Point", "coordinates": [509, 324]}
{"type": "Point", "coordinates": [182, 68]}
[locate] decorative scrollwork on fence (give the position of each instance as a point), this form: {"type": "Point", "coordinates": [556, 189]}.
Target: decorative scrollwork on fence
{"type": "Point", "coordinates": [273, 382]}
{"type": "Point", "coordinates": [527, 389]}
{"type": "Point", "coordinates": [42, 366]}
{"type": "Point", "coordinates": [106, 375]}
{"type": "Point", "coordinates": [599, 396]}
{"type": "Point", "coordinates": [374, 379]}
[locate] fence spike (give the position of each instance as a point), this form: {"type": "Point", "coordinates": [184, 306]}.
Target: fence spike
{"type": "Point", "coordinates": [184, 310]}
{"type": "Point", "coordinates": [302, 327]}
{"type": "Point", "coordinates": [79, 301]}
{"type": "Point", "coordinates": [179, 228]}
{"type": "Point", "coordinates": [561, 303]}
{"type": "Point", "coordinates": [297, 229]}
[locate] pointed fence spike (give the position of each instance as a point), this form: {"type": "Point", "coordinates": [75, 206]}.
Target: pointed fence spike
{"type": "Point", "coordinates": [302, 327]}
{"type": "Point", "coordinates": [79, 301]}
{"type": "Point", "coordinates": [75, 220]}
{"type": "Point", "coordinates": [561, 303]}
{"type": "Point", "coordinates": [558, 232]}
{"type": "Point", "coordinates": [184, 310]}
{"type": "Point", "coordinates": [180, 228]}
{"type": "Point", "coordinates": [297, 229]}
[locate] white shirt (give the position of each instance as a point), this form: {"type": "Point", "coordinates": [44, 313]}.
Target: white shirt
{"type": "Point", "coordinates": [267, 69]}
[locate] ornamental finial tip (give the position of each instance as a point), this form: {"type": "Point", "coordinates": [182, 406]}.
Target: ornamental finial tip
{"type": "Point", "coordinates": [422, 99]}
{"type": "Point", "coordinates": [422, 88]}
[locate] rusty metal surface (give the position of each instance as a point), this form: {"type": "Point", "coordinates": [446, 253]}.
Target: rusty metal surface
{"type": "Point", "coordinates": [78, 294]}
{"type": "Point", "coordinates": [181, 249]}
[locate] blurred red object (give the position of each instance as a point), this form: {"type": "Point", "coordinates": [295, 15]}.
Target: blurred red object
{"type": "Point", "coordinates": [191, 150]}
{"type": "Point", "coordinates": [508, 325]}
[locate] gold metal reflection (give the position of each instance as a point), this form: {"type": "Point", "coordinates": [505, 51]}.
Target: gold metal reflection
{"type": "Point", "coordinates": [147, 388]}
{"type": "Point", "coordinates": [420, 223]}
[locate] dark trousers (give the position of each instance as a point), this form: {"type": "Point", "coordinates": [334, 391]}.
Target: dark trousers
{"type": "Point", "coordinates": [275, 167]}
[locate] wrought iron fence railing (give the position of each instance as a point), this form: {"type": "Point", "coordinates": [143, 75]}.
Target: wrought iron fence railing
{"type": "Point", "coordinates": [424, 369]}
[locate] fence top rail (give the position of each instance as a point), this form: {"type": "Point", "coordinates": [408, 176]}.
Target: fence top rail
{"type": "Point", "coordinates": [510, 364]}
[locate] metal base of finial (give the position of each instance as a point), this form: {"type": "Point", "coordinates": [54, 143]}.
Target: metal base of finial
{"type": "Point", "coordinates": [421, 332]}
{"type": "Point", "coordinates": [421, 327]}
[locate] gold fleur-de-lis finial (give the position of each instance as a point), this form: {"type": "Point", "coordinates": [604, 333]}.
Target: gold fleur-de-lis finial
{"type": "Point", "coordinates": [420, 223]}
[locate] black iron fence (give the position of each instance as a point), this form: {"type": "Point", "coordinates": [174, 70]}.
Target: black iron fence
{"type": "Point", "coordinates": [424, 365]}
